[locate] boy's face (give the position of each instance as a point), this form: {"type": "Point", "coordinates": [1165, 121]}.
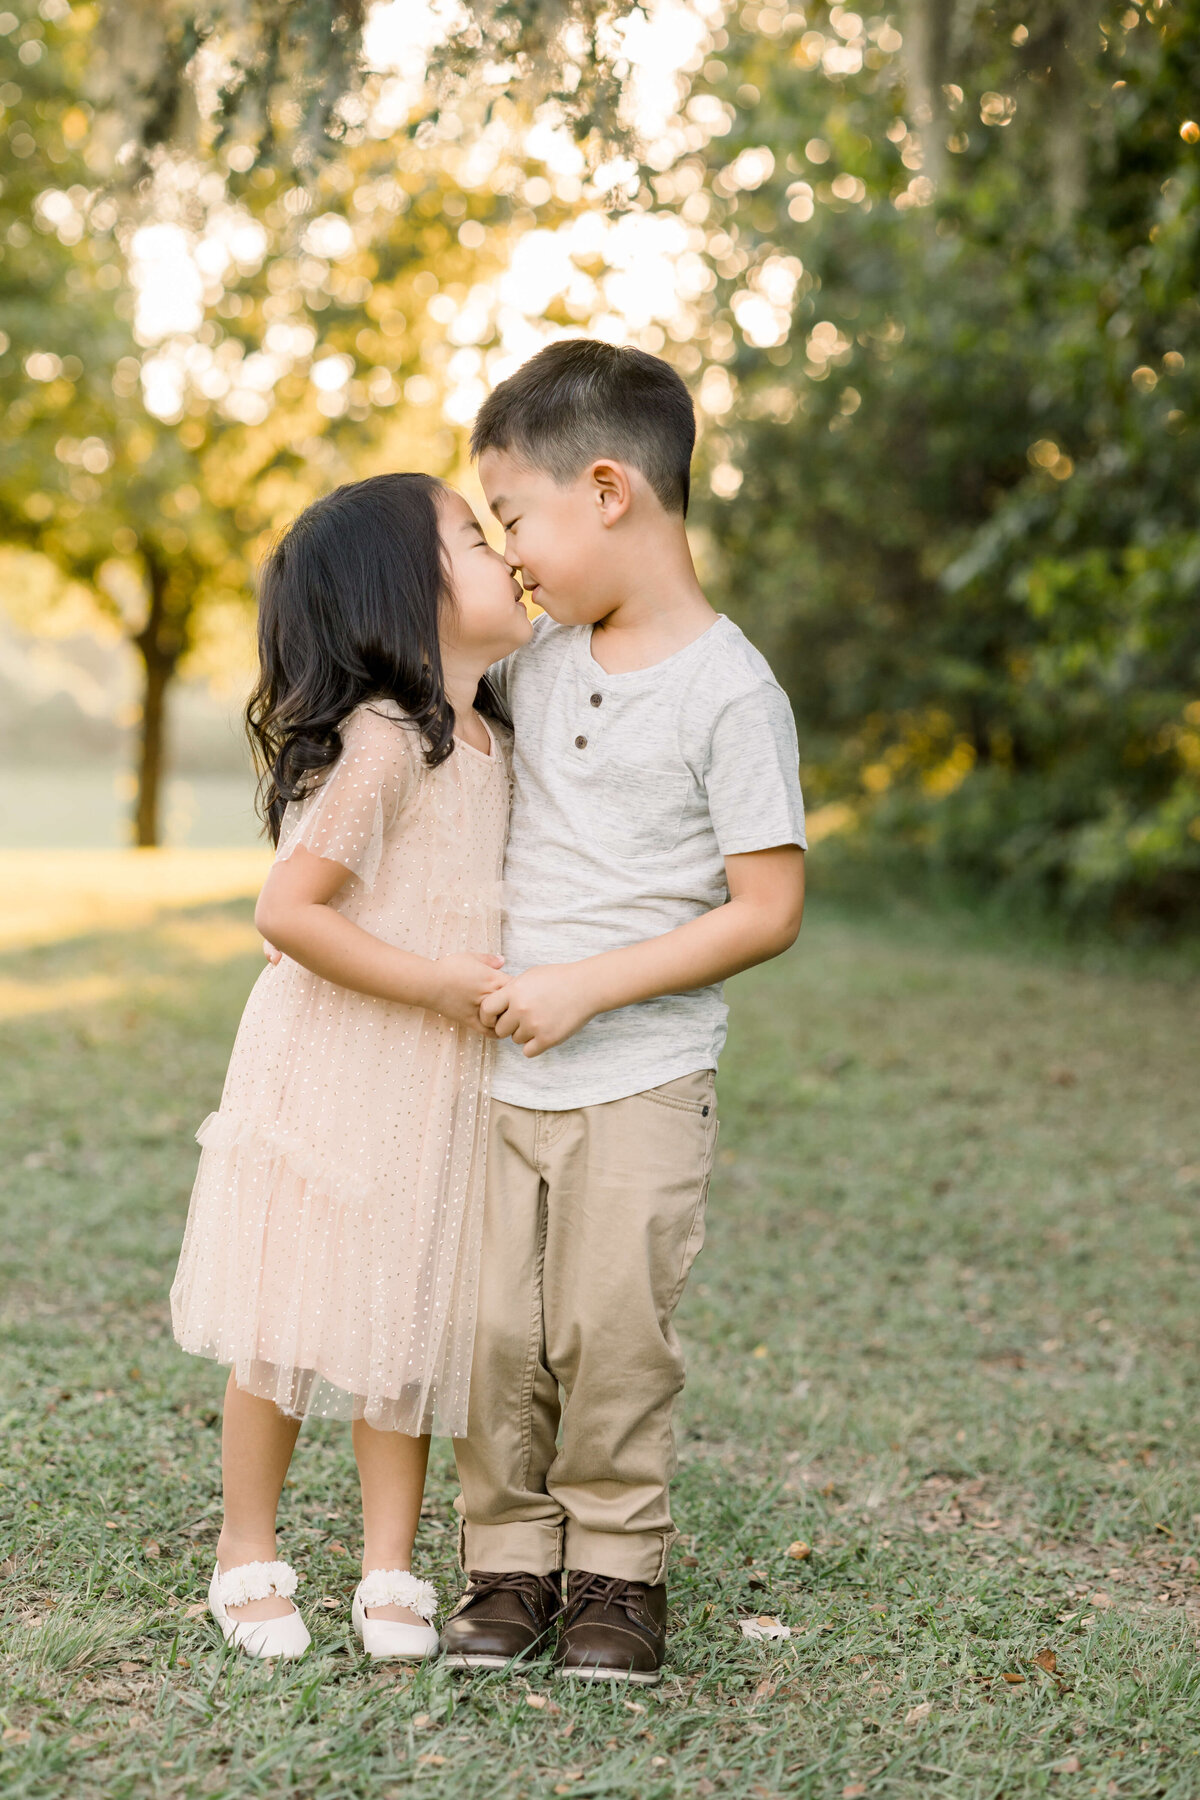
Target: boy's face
{"type": "Point", "coordinates": [556, 535]}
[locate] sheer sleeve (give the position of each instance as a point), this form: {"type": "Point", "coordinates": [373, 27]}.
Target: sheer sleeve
{"type": "Point", "coordinates": [346, 817]}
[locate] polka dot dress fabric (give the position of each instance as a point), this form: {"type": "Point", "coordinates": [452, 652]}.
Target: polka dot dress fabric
{"type": "Point", "coordinates": [332, 1245]}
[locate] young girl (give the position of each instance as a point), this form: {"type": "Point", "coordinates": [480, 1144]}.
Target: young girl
{"type": "Point", "coordinates": [332, 1244]}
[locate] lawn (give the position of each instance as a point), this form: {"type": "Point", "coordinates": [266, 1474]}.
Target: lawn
{"type": "Point", "coordinates": [941, 1418]}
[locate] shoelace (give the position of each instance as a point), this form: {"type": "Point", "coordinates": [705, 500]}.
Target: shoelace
{"type": "Point", "coordinates": [487, 1581]}
{"type": "Point", "coordinates": [609, 1591]}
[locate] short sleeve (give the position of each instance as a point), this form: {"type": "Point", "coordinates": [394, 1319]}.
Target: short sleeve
{"type": "Point", "coordinates": [346, 817]}
{"type": "Point", "coordinates": [752, 776]}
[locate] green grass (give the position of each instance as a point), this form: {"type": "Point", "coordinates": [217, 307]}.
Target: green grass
{"type": "Point", "coordinates": [944, 1332]}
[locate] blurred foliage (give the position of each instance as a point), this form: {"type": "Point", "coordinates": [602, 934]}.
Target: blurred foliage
{"type": "Point", "coordinates": [935, 279]}
{"type": "Point", "coordinates": [290, 82]}
{"type": "Point", "coordinates": [154, 475]}
{"type": "Point", "coordinates": [957, 501]}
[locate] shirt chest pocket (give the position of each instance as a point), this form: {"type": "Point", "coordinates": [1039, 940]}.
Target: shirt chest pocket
{"type": "Point", "coordinates": [638, 811]}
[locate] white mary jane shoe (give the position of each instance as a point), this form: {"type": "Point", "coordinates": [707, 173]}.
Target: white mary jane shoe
{"type": "Point", "coordinates": [388, 1637]}
{"type": "Point", "coordinates": [263, 1638]}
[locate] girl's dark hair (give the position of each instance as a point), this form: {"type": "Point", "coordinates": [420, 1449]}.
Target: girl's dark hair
{"type": "Point", "coordinates": [348, 607]}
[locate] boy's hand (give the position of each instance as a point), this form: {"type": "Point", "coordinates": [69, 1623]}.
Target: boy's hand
{"type": "Point", "coordinates": [541, 1008]}
{"type": "Point", "coordinates": [463, 984]}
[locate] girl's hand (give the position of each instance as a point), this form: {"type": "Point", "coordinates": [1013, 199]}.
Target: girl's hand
{"type": "Point", "coordinates": [461, 984]}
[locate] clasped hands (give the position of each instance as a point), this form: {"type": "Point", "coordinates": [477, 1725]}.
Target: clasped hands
{"type": "Point", "coordinates": [537, 1010]}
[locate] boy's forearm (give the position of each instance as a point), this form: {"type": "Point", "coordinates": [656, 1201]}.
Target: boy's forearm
{"type": "Point", "coordinates": [706, 950]}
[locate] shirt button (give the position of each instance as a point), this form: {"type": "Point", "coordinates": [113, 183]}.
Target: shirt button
{"type": "Point", "coordinates": [596, 699]}
{"type": "Point", "coordinates": [581, 743]}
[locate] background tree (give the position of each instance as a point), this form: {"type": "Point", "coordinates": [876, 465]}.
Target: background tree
{"type": "Point", "coordinates": [155, 428]}
{"type": "Point", "coordinates": [954, 459]}
{"type": "Point", "coordinates": [288, 77]}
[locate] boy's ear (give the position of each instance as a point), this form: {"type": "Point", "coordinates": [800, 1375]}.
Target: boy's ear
{"type": "Point", "coordinates": [612, 490]}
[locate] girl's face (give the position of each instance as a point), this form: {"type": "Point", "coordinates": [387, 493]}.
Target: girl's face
{"type": "Point", "coordinates": [486, 618]}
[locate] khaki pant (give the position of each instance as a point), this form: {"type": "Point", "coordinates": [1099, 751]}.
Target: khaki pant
{"type": "Point", "coordinates": [593, 1220]}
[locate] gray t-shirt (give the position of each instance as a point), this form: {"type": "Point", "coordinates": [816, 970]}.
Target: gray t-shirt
{"type": "Point", "coordinates": [628, 792]}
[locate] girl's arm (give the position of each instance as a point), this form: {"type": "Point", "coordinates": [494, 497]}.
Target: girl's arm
{"type": "Point", "coordinates": [293, 911]}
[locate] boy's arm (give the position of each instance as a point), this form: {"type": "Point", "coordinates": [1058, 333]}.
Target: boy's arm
{"type": "Point", "coordinates": [760, 920]}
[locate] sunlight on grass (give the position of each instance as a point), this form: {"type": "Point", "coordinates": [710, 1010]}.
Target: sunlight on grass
{"type": "Point", "coordinates": [49, 895]}
{"type": "Point", "coordinates": [21, 999]}
{"type": "Point", "coordinates": [942, 1339]}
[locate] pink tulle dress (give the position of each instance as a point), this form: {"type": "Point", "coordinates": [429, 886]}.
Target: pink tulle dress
{"type": "Point", "coordinates": [332, 1245]}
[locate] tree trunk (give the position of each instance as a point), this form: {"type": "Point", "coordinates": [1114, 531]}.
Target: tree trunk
{"type": "Point", "coordinates": [928, 31]}
{"type": "Point", "coordinates": [160, 643]}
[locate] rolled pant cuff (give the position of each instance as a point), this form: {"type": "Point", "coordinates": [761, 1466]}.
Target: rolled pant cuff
{"type": "Point", "coordinates": [629, 1556]}
{"type": "Point", "coordinates": [529, 1547]}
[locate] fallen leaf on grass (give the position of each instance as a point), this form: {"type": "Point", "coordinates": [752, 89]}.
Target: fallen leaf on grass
{"type": "Point", "coordinates": [1067, 1765]}
{"type": "Point", "coordinates": [421, 1720]}
{"type": "Point", "coordinates": [764, 1628]}
{"type": "Point", "coordinates": [1101, 1600]}
{"type": "Point", "coordinates": [1061, 1077]}
{"type": "Point", "coordinates": [855, 1790]}
{"type": "Point", "coordinates": [1046, 1659]}
{"type": "Point", "coordinates": [329, 1603]}
{"type": "Point", "coordinates": [196, 1610]}
{"type": "Point", "coordinates": [152, 1550]}
{"type": "Point", "coordinates": [129, 1668]}
{"type": "Point", "coordinates": [1012, 1678]}
{"type": "Point", "coordinates": [915, 1714]}
{"type": "Point", "coordinates": [799, 1551]}
{"type": "Point", "coordinates": [689, 1562]}
{"type": "Point", "coordinates": [633, 1706]}
{"type": "Point", "coordinates": [336, 1549]}
{"type": "Point", "coordinates": [432, 1757]}
{"type": "Point", "coordinates": [15, 1734]}
{"type": "Point", "coordinates": [658, 1762]}
{"type": "Point", "coordinates": [542, 1702]}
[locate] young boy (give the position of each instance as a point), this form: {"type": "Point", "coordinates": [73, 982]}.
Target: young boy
{"type": "Point", "coordinates": [656, 847]}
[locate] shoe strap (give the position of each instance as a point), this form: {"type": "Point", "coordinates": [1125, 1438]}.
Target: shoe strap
{"type": "Point", "coordinates": [398, 1587]}
{"type": "Point", "coordinates": [256, 1581]}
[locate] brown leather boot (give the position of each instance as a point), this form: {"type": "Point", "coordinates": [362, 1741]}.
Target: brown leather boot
{"type": "Point", "coordinates": [613, 1630]}
{"type": "Point", "coordinates": [501, 1617]}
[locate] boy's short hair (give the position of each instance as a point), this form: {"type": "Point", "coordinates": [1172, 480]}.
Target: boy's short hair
{"type": "Point", "coordinates": [579, 400]}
